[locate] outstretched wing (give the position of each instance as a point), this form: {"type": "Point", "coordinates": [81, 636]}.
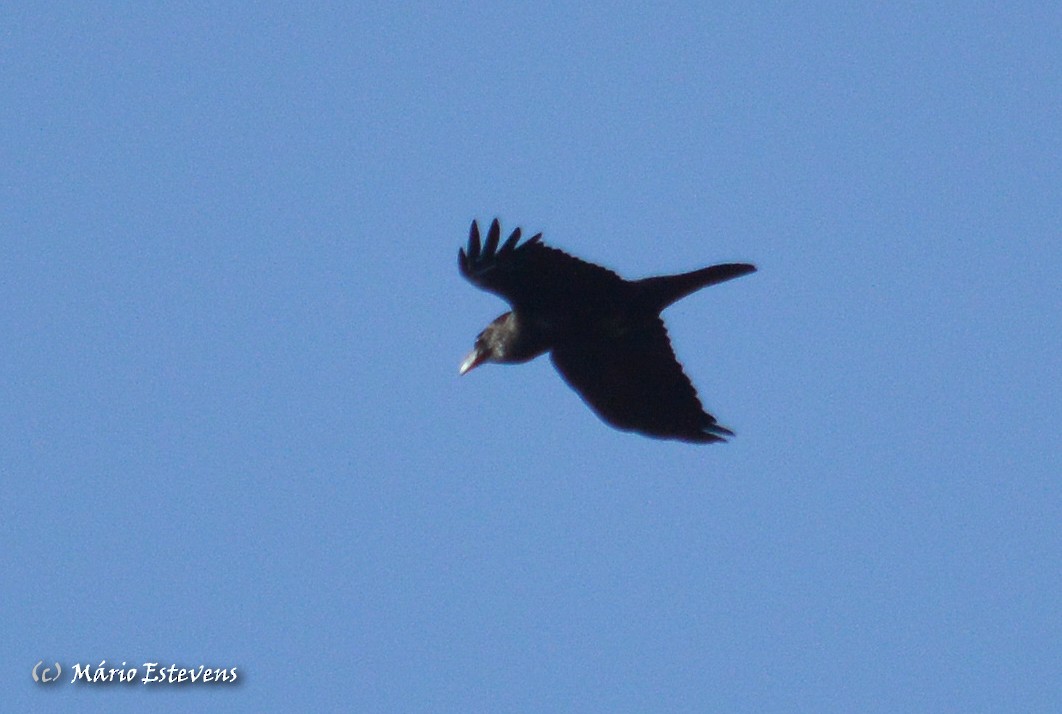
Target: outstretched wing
{"type": "Point", "coordinates": [534, 277]}
{"type": "Point", "coordinates": [632, 379]}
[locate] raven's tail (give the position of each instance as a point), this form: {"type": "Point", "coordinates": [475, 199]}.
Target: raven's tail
{"type": "Point", "coordinates": [664, 290]}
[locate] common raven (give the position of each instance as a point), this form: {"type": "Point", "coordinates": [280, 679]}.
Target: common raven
{"type": "Point", "coordinates": [604, 334]}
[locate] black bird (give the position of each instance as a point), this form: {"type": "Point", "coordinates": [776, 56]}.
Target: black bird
{"type": "Point", "coordinates": [604, 334]}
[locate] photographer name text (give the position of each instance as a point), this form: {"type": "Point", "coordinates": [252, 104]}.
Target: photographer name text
{"type": "Point", "coordinates": [151, 673]}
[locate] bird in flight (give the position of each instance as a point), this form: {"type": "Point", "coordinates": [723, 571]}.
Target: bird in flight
{"type": "Point", "coordinates": [604, 334]}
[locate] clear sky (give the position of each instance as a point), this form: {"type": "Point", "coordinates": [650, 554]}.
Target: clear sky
{"type": "Point", "coordinates": [232, 432]}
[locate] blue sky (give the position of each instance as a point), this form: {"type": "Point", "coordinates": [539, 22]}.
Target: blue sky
{"type": "Point", "coordinates": [232, 431]}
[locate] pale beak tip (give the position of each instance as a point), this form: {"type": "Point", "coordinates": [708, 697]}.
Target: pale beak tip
{"type": "Point", "coordinates": [474, 359]}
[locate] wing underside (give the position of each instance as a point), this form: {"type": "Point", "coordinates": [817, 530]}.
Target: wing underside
{"type": "Point", "coordinates": [633, 381]}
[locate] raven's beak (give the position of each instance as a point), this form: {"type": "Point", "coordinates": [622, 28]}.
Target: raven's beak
{"type": "Point", "coordinates": [474, 359]}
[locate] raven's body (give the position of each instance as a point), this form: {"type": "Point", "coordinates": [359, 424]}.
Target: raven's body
{"type": "Point", "coordinates": [604, 333]}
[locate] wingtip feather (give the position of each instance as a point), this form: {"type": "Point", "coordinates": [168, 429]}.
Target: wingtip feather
{"type": "Point", "coordinates": [510, 242]}
{"type": "Point", "coordinates": [493, 235]}
{"type": "Point", "coordinates": [473, 240]}
{"type": "Point", "coordinates": [715, 432]}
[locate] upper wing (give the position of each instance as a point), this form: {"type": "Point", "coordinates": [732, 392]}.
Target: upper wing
{"type": "Point", "coordinates": [632, 379]}
{"type": "Point", "coordinates": [532, 276]}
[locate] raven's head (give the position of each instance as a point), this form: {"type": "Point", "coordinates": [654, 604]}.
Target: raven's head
{"type": "Point", "coordinates": [506, 340]}
{"type": "Point", "coordinates": [491, 344]}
